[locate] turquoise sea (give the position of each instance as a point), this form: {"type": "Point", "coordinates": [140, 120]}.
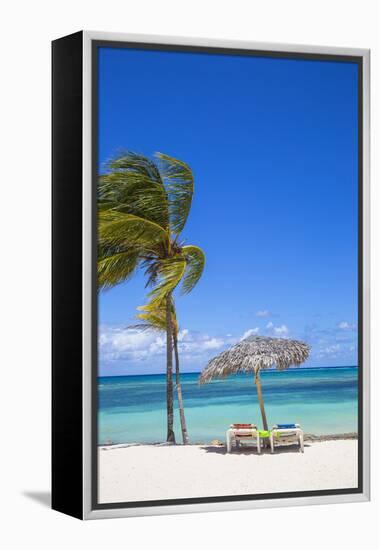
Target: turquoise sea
{"type": "Point", "coordinates": [322, 400]}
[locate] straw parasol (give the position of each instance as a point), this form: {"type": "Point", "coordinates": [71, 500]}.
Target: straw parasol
{"type": "Point", "coordinates": [253, 354]}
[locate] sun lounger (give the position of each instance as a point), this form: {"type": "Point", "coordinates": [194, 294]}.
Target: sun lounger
{"type": "Point", "coordinates": [283, 434]}
{"type": "Point", "coordinates": [238, 432]}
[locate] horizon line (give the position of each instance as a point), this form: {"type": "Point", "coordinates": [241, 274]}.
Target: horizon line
{"type": "Point", "coordinates": [199, 372]}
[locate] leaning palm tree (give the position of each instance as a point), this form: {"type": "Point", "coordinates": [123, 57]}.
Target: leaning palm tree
{"type": "Point", "coordinates": [143, 208]}
{"type": "Point", "coordinates": [254, 354]}
{"type": "Point", "coordinates": [155, 319]}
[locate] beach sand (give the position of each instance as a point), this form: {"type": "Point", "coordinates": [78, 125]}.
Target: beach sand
{"type": "Point", "coordinates": [153, 472]}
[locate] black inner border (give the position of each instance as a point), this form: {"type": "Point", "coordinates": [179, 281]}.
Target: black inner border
{"type": "Point", "coordinates": [96, 44]}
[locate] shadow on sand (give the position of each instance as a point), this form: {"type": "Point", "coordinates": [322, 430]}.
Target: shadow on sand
{"type": "Point", "coordinates": [41, 497]}
{"type": "Point", "coordinates": [248, 450]}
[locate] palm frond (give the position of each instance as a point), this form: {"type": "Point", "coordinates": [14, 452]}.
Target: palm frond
{"type": "Point", "coordinates": [145, 327]}
{"type": "Point", "coordinates": [127, 230]}
{"type": "Point", "coordinates": [116, 268]}
{"type": "Point", "coordinates": [170, 273]}
{"type": "Point", "coordinates": [178, 179]}
{"type": "Point", "coordinates": [104, 205]}
{"type": "Point", "coordinates": [195, 261]}
{"type": "Point", "coordinates": [154, 317]}
{"type": "Point", "coordinates": [133, 185]}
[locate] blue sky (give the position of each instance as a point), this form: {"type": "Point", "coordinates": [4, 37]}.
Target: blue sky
{"type": "Point", "coordinates": [273, 147]}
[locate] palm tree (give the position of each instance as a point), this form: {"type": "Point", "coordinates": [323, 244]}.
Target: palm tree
{"type": "Point", "coordinates": [143, 208]}
{"type": "Point", "coordinates": [155, 319]}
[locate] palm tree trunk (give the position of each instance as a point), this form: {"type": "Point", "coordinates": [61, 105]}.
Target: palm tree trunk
{"type": "Point", "coordinates": [169, 383]}
{"type": "Point", "coordinates": [179, 392]}
{"type": "Point", "coordinates": [260, 400]}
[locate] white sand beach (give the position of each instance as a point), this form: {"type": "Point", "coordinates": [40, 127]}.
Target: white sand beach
{"type": "Point", "coordinates": [149, 472]}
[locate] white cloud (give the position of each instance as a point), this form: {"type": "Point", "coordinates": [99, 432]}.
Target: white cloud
{"type": "Point", "coordinates": [331, 350]}
{"type": "Point", "coordinates": [213, 343]}
{"type": "Point", "coordinates": [335, 351]}
{"type": "Point", "coordinates": [182, 334]}
{"type": "Point", "coordinates": [273, 330]}
{"type": "Point", "coordinates": [344, 325]}
{"type": "Point", "coordinates": [263, 313]}
{"type": "Point", "coordinates": [121, 343]}
{"type": "Point", "coordinates": [336, 344]}
{"type": "Point", "coordinates": [281, 330]}
{"type": "Point", "coordinates": [131, 345]}
{"type": "Point", "coordinates": [134, 351]}
{"type": "Point", "coordinates": [250, 332]}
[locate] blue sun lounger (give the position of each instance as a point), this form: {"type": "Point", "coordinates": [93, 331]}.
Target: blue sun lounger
{"type": "Point", "coordinates": [283, 434]}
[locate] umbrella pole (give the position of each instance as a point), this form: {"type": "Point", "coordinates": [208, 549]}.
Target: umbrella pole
{"type": "Point", "coordinates": [257, 381]}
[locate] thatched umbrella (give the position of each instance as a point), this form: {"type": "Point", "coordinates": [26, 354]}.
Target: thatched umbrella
{"type": "Point", "coordinates": [253, 354]}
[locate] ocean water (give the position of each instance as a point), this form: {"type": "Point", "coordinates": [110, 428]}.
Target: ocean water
{"type": "Point", "coordinates": [133, 408]}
